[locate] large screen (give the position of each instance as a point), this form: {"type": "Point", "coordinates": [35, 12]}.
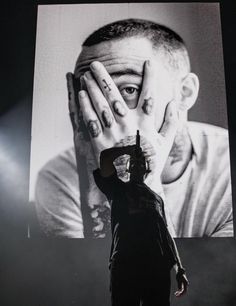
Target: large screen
{"type": "Point", "coordinates": [196, 179]}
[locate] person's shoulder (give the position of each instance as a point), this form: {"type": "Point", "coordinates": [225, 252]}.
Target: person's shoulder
{"type": "Point", "coordinates": [58, 180]}
{"type": "Point", "coordinates": [62, 165]}
{"type": "Point", "coordinates": [210, 144]}
{"type": "Point", "coordinates": [205, 129]}
{"type": "Point", "coordinates": [205, 137]}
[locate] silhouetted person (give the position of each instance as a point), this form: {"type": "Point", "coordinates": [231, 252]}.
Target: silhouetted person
{"type": "Point", "coordinates": [142, 252]}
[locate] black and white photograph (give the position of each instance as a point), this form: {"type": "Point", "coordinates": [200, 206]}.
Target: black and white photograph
{"type": "Point", "coordinates": [196, 179]}
{"type": "Point", "coordinates": [117, 153]}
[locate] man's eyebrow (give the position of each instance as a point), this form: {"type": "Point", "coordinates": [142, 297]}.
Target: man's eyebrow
{"type": "Point", "coordinates": [126, 71]}
{"type": "Point", "coordinates": [114, 70]}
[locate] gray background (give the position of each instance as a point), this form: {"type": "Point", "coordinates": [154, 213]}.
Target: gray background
{"type": "Point", "coordinates": [37, 272]}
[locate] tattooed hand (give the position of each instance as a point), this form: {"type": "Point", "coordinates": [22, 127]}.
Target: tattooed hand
{"type": "Point", "coordinates": [109, 121]}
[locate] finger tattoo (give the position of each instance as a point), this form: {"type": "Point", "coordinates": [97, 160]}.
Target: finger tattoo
{"type": "Point", "coordinates": [69, 89]}
{"type": "Point", "coordinates": [82, 127]}
{"type": "Point", "coordinates": [119, 108]}
{"type": "Point", "coordinates": [79, 126]}
{"type": "Point", "coordinates": [106, 85]}
{"type": "Point", "coordinates": [69, 94]}
{"type": "Point", "coordinates": [93, 128]}
{"type": "Point", "coordinates": [147, 105]}
{"type": "Point", "coordinates": [73, 121]}
{"type": "Point", "coordinates": [107, 118]}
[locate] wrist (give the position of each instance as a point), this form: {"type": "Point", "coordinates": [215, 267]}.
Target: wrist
{"type": "Point", "coordinates": [180, 271]}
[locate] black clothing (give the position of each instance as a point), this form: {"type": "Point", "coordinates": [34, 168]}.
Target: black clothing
{"type": "Point", "coordinates": [142, 251]}
{"type": "Point", "coordinates": [144, 282]}
{"type": "Point", "coordinates": [137, 221]}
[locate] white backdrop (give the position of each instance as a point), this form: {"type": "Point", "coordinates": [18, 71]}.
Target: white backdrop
{"type": "Point", "coordinates": [61, 29]}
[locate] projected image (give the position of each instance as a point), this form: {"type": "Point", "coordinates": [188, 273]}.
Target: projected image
{"type": "Point", "coordinates": [104, 71]}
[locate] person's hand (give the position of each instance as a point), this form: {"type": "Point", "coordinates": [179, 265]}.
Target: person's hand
{"type": "Point", "coordinates": [110, 122]}
{"type": "Point", "coordinates": [130, 149]}
{"type": "Point", "coordinates": [182, 283]}
{"type": "Point", "coordinates": [80, 132]}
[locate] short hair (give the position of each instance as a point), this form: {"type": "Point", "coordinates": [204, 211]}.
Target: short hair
{"type": "Point", "coordinates": [163, 39]}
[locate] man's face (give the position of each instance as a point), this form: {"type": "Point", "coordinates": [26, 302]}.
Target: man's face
{"type": "Point", "coordinates": [124, 60]}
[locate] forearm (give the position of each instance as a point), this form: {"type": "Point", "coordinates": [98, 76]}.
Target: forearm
{"type": "Point", "coordinates": [181, 277]}
{"type": "Point", "coordinates": [178, 263]}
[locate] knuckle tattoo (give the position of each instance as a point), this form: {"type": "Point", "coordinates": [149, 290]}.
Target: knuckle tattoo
{"type": "Point", "coordinates": [69, 94]}
{"type": "Point", "coordinates": [81, 128]}
{"type": "Point", "coordinates": [107, 118]}
{"type": "Point", "coordinates": [147, 105]}
{"type": "Point", "coordinates": [78, 125]}
{"type": "Point", "coordinates": [69, 89]}
{"type": "Point", "coordinates": [93, 128]}
{"type": "Point", "coordinates": [119, 108]}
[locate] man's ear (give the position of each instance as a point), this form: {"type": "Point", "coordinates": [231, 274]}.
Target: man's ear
{"type": "Point", "coordinates": [188, 91]}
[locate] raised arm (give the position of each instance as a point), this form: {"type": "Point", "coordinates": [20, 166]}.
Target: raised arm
{"type": "Point", "coordinates": [108, 156]}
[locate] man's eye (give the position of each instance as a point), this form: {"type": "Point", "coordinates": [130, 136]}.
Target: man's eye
{"type": "Point", "coordinates": [129, 91]}
{"type": "Point", "coordinates": [130, 94]}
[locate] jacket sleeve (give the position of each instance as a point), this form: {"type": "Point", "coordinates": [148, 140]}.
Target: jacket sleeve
{"type": "Point", "coordinates": [108, 185]}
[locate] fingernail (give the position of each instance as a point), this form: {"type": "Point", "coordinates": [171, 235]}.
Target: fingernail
{"type": "Point", "coordinates": [88, 75]}
{"type": "Point", "coordinates": [82, 94]}
{"type": "Point", "coordinates": [95, 65]}
{"type": "Point", "coordinates": [148, 63]}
